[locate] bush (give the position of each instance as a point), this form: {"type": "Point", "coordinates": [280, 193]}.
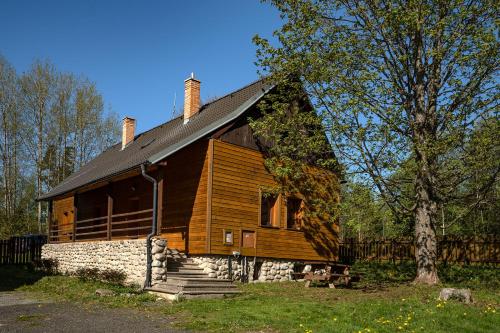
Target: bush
{"type": "Point", "coordinates": [106, 275]}
{"type": "Point", "coordinates": [467, 276]}
{"type": "Point", "coordinates": [376, 272]}
{"type": "Point", "coordinates": [470, 276]}
{"type": "Point", "coordinates": [48, 266]}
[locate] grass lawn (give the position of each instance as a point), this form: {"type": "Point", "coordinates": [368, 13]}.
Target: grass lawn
{"type": "Point", "coordinates": [289, 307]}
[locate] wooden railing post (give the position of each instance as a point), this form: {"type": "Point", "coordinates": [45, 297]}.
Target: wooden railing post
{"type": "Point", "coordinates": [49, 222]}
{"type": "Point", "coordinates": [161, 186]}
{"type": "Point", "coordinates": [75, 215]}
{"type": "Point", "coordinates": [110, 214]}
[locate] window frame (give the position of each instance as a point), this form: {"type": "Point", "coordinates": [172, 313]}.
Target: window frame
{"type": "Point", "coordinates": [274, 212]}
{"type": "Point", "coordinates": [224, 233]}
{"type": "Point", "coordinates": [299, 218]}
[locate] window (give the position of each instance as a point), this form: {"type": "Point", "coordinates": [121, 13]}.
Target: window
{"type": "Point", "coordinates": [228, 237]}
{"type": "Point", "coordinates": [269, 211]}
{"type": "Point", "coordinates": [293, 213]}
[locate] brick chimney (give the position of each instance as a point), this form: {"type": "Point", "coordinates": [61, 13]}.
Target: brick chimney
{"type": "Point", "coordinates": [128, 131]}
{"type": "Point", "coordinates": [191, 97]}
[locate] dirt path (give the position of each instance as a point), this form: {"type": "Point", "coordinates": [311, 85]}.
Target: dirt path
{"type": "Point", "coordinates": [21, 312]}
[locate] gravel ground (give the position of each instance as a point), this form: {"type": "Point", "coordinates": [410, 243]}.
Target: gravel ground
{"type": "Point", "coordinates": [20, 312]}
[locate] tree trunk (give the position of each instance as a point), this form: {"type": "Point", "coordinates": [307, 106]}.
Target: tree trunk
{"type": "Point", "coordinates": [426, 206]}
{"type": "Point", "coordinates": [424, 135]}
{"type": "Point", "coordinates": [425, 237]}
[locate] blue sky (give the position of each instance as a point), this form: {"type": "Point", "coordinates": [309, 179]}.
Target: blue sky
{"type": "Point", "coordinates": [139, 52]}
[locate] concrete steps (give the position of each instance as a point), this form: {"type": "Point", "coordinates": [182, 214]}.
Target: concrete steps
{"type": "Point", "coordinates": [185, 278]}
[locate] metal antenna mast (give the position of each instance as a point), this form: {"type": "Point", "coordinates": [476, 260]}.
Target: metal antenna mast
{"type": "Point", "coordinates": [173, 110]}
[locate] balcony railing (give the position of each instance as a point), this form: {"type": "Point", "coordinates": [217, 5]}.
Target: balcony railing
{"type": "Point", "coordinates": [117, 226]}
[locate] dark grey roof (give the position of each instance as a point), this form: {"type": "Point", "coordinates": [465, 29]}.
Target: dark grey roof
{"type": "Point", "coordinates": [164, 140]}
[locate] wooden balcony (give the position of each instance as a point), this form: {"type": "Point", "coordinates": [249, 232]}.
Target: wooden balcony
{"type": "Point", "coordinates": [130, 225]}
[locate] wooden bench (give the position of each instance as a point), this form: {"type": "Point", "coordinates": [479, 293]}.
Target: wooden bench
{"type": "Point", "coordinates": [335, 274]}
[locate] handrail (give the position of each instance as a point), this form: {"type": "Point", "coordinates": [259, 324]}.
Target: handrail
{"type": "Point", "coordinates": [133, 213]}
{"type": "Point", "coordinates": [129, 229]}
{"type": "Point", "coordinates": [93, 239]}
{"type": "Point", "coordinates": [171, 228]}
{"type": "Point", "coordinates": [62, 225]}
{"type": "Point", "coordinates": [91, 233]}
{"type": "Point", "coordinates": [131, 221]}
{"type": "Point", "coordinates": [92, 226]}
{"type": "Point", "coordinates": [60, 231]}
{"type": "Point", "coordinates": [92, 219]}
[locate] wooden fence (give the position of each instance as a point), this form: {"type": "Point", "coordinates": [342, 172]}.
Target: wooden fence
{"type": "Point", "coordinates": [21, 250]}
{"type": "Point", "coordinates": [465, 250]}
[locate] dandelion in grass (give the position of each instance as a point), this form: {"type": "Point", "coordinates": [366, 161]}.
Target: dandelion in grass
{"type": "Point", "coordinates": [490, 309]}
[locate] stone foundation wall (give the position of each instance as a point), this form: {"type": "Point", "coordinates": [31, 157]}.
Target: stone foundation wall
{"type": "Point", "coordinates": [127, 256]}
{"type": "Point", "coordinates": [269, 270]}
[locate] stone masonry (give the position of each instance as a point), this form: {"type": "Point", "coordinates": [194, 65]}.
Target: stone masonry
{"type": "Point", "coordinates": [127, 256]}
{"type": "Point", "coordinates": [271, 270]}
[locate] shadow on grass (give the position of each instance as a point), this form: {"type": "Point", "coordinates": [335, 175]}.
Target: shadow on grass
{"type": "Point", "coordinates": [15, 276]}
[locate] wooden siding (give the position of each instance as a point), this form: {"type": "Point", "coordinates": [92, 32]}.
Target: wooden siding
{"type": "Point", "coordinates": [240, 134]}
{"type": "Point", "coordinates": [238, 175]}
{"type": "Point", "coordinates": [185, 199]}
{"type": "Point", "coordinates": [63, 219]}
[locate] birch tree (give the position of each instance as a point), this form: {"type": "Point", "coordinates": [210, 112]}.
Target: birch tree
{"type": "Point", "coordinates": [51, 123]}
{"type": "Point", "coordinates": [37, 86]}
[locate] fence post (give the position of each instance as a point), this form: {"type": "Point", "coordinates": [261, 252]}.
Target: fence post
{"type": "Point", "coordinates": [353, 254]}
{"type": "Point", "coordinates": [393, 254]}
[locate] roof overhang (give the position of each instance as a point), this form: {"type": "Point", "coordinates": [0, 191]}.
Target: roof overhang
{"type": "Point", "coordinates": [209, 129]}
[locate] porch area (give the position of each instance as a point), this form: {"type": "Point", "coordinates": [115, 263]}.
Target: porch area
{"type": "Point", "coordinates": [122, 208]}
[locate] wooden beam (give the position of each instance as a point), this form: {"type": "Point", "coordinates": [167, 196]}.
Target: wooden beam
{"type": "Point", "coordinates": [110, 213]}
{"type": "Point", "coordinates": [75, 214]}
{"type": "Point", "coordinates": [209, 193]}
{"type": "Point", "coordinates": [221, 131]}
{"type": "Point", "coordinates": [49, 220]}
{"type": "Point", "coordinates": [161, 185]}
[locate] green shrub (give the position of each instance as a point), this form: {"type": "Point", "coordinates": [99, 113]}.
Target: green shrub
{"type": "Point", "coordinates": [106, 275]}
{"type": "Point", "coordinates": [48, 266]}
{"type": "Point", "coordinates": [467, 276]}
{"type": "Point", "coordinates": [113, 276]}
{"type": "Point", "coordinates": [470, 276]}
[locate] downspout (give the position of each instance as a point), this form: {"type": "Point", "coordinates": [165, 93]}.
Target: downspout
{"type": "Point", "coordinates": [147, 283]}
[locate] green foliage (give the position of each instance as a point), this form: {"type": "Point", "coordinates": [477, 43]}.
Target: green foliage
{"type": "Point", "coordinates": [51, 123]}
{"type": "Point", "coordinates": [289, 307]}
{"type": "Point", "coordinates": [386, 273]}
{"type": "Point", "coordinates": [363, 214]}
{"type": "Point", "coordinates": [403, 90]}
{"type": "Point", "coordinates": [47, 266]}
{"type": "Point", "coordinates": [357, 62]}
{"type": "Point", "coordinates": [105, 275]}
{"type": "Point", "coordinates": [297, 151]}
{"type": "Point", "coordinates": [342, 310]}
{"type": "Point", "coordinates": [471, 276]}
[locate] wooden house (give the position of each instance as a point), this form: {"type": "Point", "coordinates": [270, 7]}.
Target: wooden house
{"type": "Point", "coordinates": [209, 173]}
